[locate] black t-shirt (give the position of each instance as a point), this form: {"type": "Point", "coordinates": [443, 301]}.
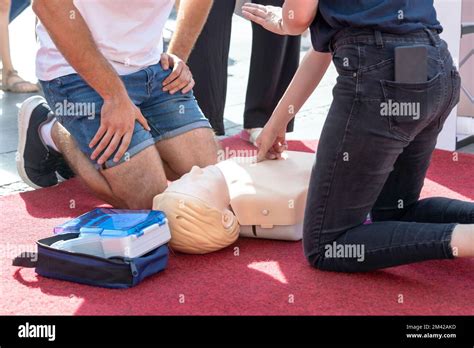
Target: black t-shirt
{"type": "Point", "coordinates": [392, 16]}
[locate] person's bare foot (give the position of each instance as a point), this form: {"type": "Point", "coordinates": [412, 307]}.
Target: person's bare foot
{"type": "Point", "coordinates": [12, 82]}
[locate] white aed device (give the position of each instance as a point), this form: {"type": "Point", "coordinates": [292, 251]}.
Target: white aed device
{"type": "Point", "coordinates": [111, 233]}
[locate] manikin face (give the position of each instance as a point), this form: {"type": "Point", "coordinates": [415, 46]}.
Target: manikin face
{"type": "Point", "coordinates": [207, 184]}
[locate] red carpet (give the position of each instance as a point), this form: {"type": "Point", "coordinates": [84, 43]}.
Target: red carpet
{"type": "Point", "coordinates": [251, 277]}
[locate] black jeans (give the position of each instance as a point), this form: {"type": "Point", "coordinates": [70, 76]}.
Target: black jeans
{"type": "Point", "coordinates": [373, 161]}
{"type": "Point", "coordinates": [274, 62]}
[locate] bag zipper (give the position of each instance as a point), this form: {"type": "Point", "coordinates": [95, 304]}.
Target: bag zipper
{"type": "Point", "coordinates": [133, 267]}
{"type": "Point", "coordinates": [82, 254]}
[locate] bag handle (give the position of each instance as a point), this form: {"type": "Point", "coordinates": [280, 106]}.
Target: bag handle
{"type": "Point", "coordinates": [25, 260]}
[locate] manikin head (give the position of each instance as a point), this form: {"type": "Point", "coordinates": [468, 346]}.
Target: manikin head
{"type": "Point", "coordinates": [197, 207]}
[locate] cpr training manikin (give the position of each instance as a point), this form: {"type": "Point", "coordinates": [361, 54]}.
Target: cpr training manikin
{"type": "Point", "coordinates": [208, 208]}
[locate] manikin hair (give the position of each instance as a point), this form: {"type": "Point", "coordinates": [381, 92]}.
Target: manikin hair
{"type": "Point", "coordinates": [196, 228]}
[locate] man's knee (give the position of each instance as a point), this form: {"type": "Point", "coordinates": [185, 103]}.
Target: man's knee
{"type": "Point", "coordinates": [137, 181]}
{"type": "Point", "coordinates": [205, 152]}
{"type": "Point", "coordinates": [194, 148]}
{"type": "Point", "coordinates": [140, 202]}
{"type": "Point", "coordinates": [138, 196]}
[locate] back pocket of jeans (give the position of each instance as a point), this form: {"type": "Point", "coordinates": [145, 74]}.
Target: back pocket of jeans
{"type": "Point", "coordinates": [409, 107]}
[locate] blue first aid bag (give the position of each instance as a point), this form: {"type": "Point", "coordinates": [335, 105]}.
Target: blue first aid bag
{"type": "Point", "coordinates": [115, 272]}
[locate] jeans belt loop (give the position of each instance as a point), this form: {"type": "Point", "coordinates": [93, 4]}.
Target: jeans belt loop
{"type": "Point", "coordinates": [433, 40]}
{"type": "Point", "coordinates": [378, 39]}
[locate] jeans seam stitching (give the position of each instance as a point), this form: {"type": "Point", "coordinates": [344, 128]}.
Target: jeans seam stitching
{"type": "Point", "coordinates": [445, 110]}
{"type": "Point", "coordinates": [405, 245]}
{"type": "Point", "coordinates": [442, 241]}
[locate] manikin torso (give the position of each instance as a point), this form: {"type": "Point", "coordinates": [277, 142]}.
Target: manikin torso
{"type": "Point", "coordinates": [267, 198]}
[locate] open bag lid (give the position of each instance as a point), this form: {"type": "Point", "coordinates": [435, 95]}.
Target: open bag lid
{"type": "Point", "coordinates": [113, 222]}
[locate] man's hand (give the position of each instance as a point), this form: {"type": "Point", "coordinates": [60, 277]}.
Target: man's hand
{"type": "Point", "coordinates": [269, 17]}
{"type": "Point", "coordinates": [117, 123]}
{"type": "Point", "coordinates": [180, 78]}
{"type": "Point", "coordinates": [271, 142]}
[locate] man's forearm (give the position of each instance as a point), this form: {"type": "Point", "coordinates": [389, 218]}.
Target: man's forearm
{"type": "Point", "coordinates": [192, 15]}
{"type": "Point", "coordinates": [72, 37]}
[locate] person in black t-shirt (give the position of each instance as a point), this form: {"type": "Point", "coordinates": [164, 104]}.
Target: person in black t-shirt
{"type": "Point", "coordinates": [379, 135]}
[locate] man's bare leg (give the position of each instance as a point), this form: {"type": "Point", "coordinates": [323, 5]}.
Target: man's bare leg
{"type": "Point", "coordinates": [194, 148]}
{"type": "Point", "coordinates": [171, 175]}
{"type": "Point", "coordinates": [132, 184]}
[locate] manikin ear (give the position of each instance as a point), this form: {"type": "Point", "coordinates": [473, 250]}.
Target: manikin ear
{"type": "Point", "coordinates": [228, 219]}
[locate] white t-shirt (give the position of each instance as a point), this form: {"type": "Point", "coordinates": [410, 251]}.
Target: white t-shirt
{"type": "Point", "coordinates": [129, 33]}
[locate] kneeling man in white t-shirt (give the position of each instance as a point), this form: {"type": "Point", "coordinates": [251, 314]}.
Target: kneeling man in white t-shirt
{"type": "Point", "coordinates": [118, 111]}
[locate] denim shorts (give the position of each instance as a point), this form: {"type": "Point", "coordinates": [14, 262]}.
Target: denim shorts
{"type": "Point", "coordinates": [77, 107]}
